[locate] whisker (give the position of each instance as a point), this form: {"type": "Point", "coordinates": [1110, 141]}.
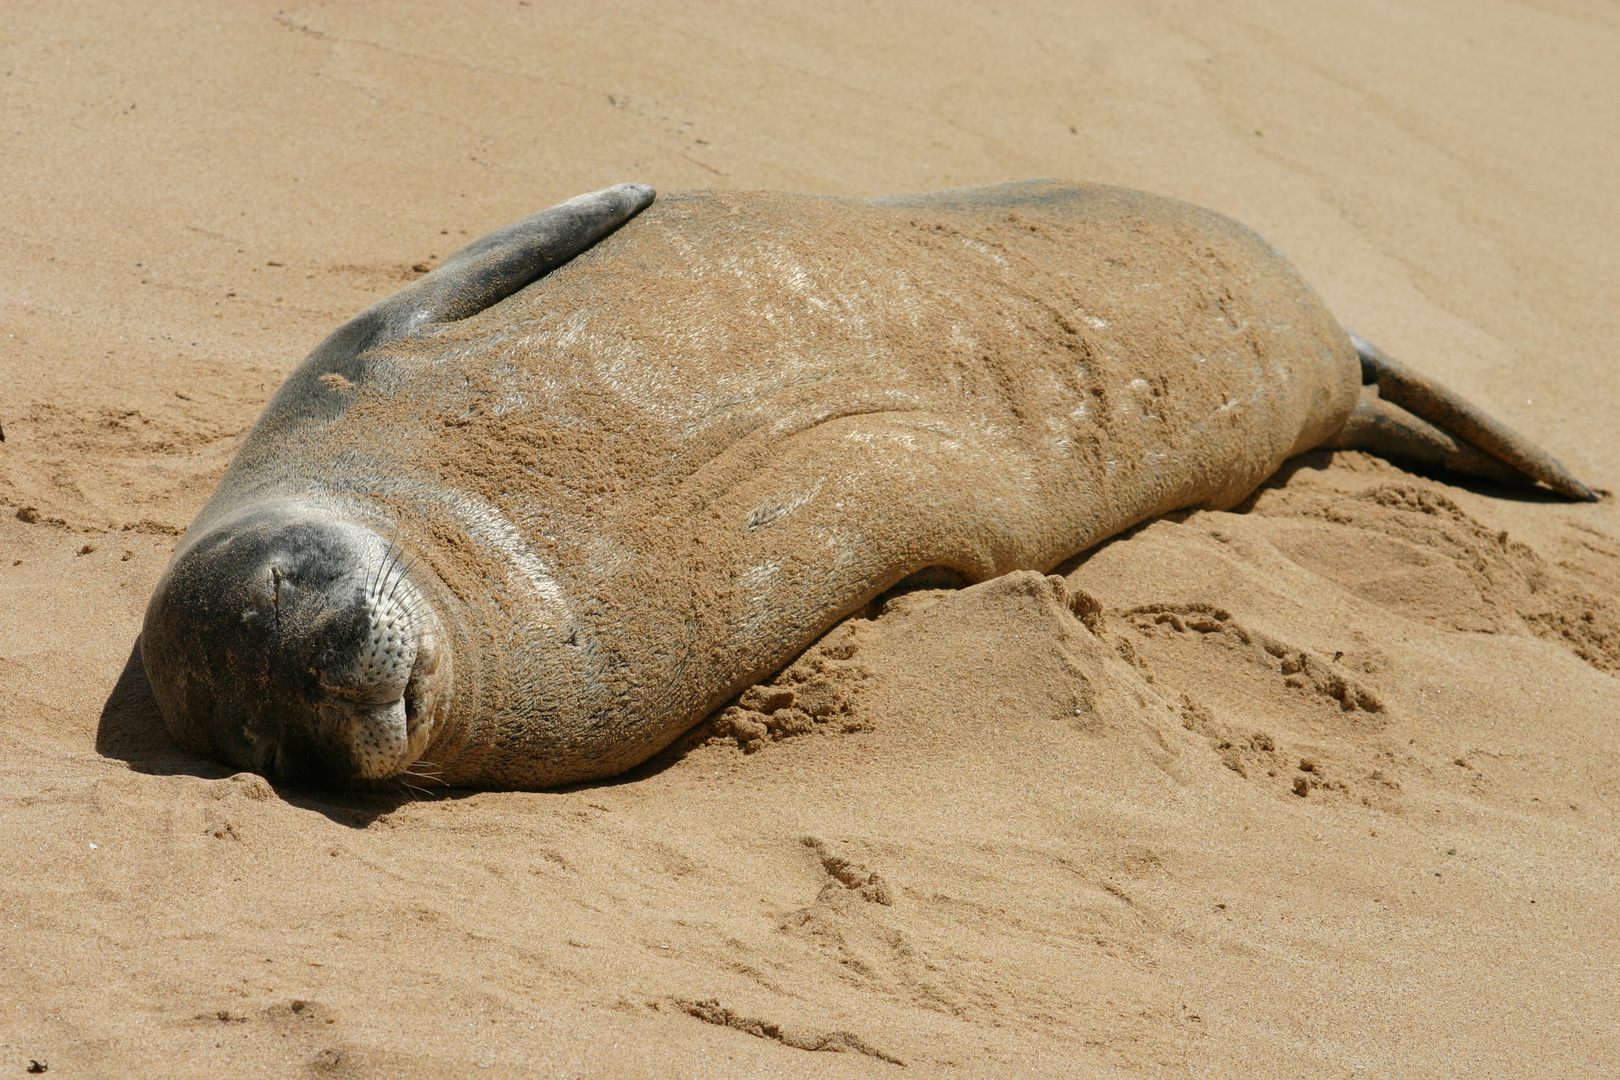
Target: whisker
{"type": "Point", "coordinates": [385, 568]}
{"type": "Point", "coordinates": [404, 572]}
{"type": "Point", "coordinates": [392, 576]}
{"type": "Point", "coordinates": [374, 576]}
{"type": "Point", "coordinates": [411, 600]}
{"type": "Point", "coordinates": [390, 546]}
{"type": "Point", "coordinates": [387, 564]}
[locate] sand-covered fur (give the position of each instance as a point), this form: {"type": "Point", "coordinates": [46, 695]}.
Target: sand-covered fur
{"type": "Point", "coordinates": [620, 494]}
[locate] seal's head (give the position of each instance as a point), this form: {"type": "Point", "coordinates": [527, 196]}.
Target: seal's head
{"type": "Point", "coordinates": [298, 645]}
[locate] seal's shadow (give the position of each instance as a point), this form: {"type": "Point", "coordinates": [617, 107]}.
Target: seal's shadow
{"type": "Point", "coordinates": [1318, 460]}
{"type": "Point", "coordinates": [132, 730]}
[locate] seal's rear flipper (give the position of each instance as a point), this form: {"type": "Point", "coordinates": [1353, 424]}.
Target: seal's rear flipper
{"type": "Point", "coordinates": [1391, 432]}
{"type": "Point", "coordinates": [1403, 414]}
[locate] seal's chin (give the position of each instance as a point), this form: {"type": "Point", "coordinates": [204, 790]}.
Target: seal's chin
{"type": "Point", "coordinates": [300, 647]}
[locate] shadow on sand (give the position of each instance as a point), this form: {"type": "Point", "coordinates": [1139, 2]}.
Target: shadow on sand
{"type": "Point", "coordinates": [132, 730]}
{"type": "Point", "coordinates": [1527, 492]}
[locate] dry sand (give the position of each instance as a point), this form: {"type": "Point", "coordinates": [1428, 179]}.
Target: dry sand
{"type": "Point", "coordinates": [1327, 787]}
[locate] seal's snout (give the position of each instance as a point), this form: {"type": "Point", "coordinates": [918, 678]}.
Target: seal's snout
{"type": "Point", "coordinates": [378, 678]}
{"type": "Point", "coordinates": [300, 649]}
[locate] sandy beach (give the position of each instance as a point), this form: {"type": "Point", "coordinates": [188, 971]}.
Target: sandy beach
{"type": "Point", "coordinates": [1325, 786]}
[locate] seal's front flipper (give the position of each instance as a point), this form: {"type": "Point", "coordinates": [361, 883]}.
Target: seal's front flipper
{"type": "Point", "coordinates": [1403, 414]}
{"type": "Point", "coordinates": [486, 271]}
{"type": "Point", "coordinates": [490, 269]}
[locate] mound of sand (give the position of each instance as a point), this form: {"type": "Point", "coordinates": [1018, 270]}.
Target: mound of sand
{"type": "Point", "coordinates": [1327, 785]}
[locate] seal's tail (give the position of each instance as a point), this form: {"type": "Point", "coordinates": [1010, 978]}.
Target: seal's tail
{"type": "Point", "coordinates": [1404, 415]}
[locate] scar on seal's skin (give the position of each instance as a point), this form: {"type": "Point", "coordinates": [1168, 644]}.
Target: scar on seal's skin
{"type": "Point", "coordinates": [533, 516]}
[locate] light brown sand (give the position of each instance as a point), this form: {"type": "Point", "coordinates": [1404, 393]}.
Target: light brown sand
{"type": "Point", "coordinates": [1048, 845]}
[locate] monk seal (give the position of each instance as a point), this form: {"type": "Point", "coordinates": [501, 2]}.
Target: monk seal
{"type": "Point", "coordinates": [529, 519]}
